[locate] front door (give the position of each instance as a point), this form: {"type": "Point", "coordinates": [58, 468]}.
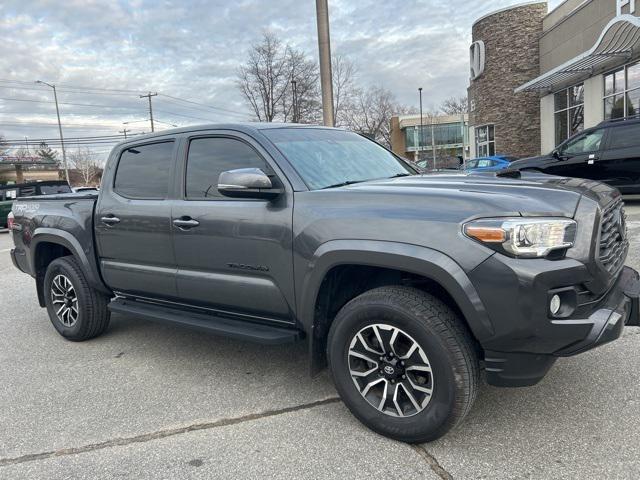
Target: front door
{"type": "Point", "coordinates": [619, 164]}
{"type": "Point", "coordinates": [132, 222]}
{"type": "Point", "coordinates": [233, 255]}
{"type": "Point", "coordinates": [578, 156]}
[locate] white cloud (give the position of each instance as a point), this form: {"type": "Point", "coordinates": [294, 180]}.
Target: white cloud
{"type": "Point", "coordinates": [193, 48]}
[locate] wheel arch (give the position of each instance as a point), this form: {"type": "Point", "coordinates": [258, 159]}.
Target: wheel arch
{"type": "Point", "coordinates": [47, 244]}
{"type": "Point", "coordinates": [384, 259]}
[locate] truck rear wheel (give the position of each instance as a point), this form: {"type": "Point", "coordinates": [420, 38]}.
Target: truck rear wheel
{"type": "Point", "coordinates": [77, 311]}
{"type": "Point", "coordinates": [403, 363]}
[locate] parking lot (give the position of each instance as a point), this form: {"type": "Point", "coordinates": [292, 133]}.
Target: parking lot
{"type": "Point", "coordinates": [152, 401]}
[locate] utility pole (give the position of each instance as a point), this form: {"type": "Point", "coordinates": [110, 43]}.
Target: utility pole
{"type": "Point", "coordinates": [64, 153]}
{"type": "Point", "coordinates": [421, 122]}
{"type": "Point", "coordinates": [124, 132]}
{"type": "Point", "coordinates": [149, 95]}
{"type": "Point", "coordinates": [324, 47]}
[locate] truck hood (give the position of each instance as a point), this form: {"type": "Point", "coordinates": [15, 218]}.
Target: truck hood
{"type": "Point", "coordinates": [533, 162]}
{"type": "Point", "coordinates": [524, 193]}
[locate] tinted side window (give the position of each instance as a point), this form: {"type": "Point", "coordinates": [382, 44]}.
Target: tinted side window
{"type": "Point", "coordinates": [623, 137]}
{"type": "Point", "coordinates": [209, 157]}
{"type": "Point", "coordinates": [143, 171]}
{"type": "Point", "coordinates": [27, 191]}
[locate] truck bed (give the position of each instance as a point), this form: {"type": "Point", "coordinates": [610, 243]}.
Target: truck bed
{"type": "Point", "coordinates": [67, 217]}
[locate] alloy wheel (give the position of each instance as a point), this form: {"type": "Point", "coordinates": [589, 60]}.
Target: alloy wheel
{"type": "Point", "coordinates": [64, 300]}
{"type": "Point", "coordinates": [390, 370]}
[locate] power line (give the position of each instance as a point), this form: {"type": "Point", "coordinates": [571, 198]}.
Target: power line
{"type": "Point", "coordinates": [200, 104]}
{"type": "Point", "coordinates": [69, 103]}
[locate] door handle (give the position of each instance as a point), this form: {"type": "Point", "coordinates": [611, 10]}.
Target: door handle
{"type": "Point", "coordinates": [185, 223]}
{"type": "Point", "coordinates": [110, 220]}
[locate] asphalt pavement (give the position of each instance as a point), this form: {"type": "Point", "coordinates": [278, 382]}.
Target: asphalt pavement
{"type": "Point", "coordinates": [152, 401]}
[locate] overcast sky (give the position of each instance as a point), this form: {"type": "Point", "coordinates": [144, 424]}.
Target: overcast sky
{"type": "Point", "coordinates": [192, 49]}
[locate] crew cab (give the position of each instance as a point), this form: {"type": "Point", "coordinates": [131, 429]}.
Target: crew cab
{"type": "Point", "coordinates": [406, 286]}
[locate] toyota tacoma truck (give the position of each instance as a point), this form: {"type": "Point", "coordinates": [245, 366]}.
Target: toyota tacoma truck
{"type": "Point", "coordinates": [406, 286]}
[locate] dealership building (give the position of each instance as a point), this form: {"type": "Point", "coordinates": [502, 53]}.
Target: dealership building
{"type": "Point", "coordinates": [538, 77]}
{"type": "Point", "coordinates": [438, 140]}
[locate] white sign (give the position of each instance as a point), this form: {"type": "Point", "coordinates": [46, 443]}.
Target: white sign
{"type": "Point", "coordinates": [477, 57]}
{"type": "Point", "coordinates": [624, 3]}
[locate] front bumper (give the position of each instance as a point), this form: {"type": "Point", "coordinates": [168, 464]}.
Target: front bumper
{"type": "Point", "coordinates": [528, 340]}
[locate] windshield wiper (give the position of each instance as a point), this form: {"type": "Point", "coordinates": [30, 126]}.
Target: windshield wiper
{"type": "Point", "coordinates": [343, 184]}
{"type": "Point", "coordinates": [397, 175]}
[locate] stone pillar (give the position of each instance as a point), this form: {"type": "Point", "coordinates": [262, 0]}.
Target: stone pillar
{"type": "Point", "coordinates": [511, 58]}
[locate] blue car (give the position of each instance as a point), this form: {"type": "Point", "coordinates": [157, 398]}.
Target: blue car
{"type": "Point", "coordinates": [488, 164]}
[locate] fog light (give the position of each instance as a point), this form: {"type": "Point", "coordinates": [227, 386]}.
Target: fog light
{"type": "Point", "coordinates": [554, 305]}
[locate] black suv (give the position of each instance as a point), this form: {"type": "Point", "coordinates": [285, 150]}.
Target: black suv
{"type": "Point", "coordinates": [609, 152]}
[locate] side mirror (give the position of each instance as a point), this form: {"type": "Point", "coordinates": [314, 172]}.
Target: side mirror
{"type": "Point", "coordinates": [556, 154]}
{"type": "Point", "coordinates": [247, 183]}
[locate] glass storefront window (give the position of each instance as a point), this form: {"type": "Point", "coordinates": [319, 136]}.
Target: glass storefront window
{"type": "Point", "coordinates": [444, 134]}
{"type": "Point", "coordinates": [633, 76]}
{"type": "Point", "coordinates": [569, 112]}
{"type": "Point", "coordinates": [633, 102]}
{"type": "Point", "coordinates": [485, 141]}
{"type": "Point", "coordinates": [621, 92]}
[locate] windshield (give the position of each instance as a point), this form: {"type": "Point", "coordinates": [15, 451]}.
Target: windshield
{"type": "Point", "coordinates": [325, 158]}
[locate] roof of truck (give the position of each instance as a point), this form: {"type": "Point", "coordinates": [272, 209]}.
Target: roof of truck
{"type": "Point", "coordinates": [246, 127]}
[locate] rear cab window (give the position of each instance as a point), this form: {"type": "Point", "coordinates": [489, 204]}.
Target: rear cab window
{"type": "Point", "coordinates": [54, 189]}
{"type": "Point", "coordinates": [144, 171]}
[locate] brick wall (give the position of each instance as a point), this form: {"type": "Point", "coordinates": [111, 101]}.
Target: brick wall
{"type": "Point", "coordinates": [512, 58]}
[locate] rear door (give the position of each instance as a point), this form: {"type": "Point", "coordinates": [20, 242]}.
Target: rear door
{"type": "Point", "coordinates": [619, 164]}
{"type": "Point", "coordinates": [237, 258]}
{"type": "Point", "coordinates": [132, 221]}
{"type": "Point", "coordinates": [579, 156]}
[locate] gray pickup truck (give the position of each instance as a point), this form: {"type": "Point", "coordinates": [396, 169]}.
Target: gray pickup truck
{"type": "Point", "coordinates": [406, 285]}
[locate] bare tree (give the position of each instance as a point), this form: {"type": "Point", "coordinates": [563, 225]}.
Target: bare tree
{"type": "Point", "coordinates": [304, 72]}
{"type": "Point", "coordinates": [455, 105]}
{"type": "Point", "coordinates": [344, 87]}
{"type": "Point", "coordinates": [265, 81]}
{"type": "Point", "coordinates": [370, 114]}
{"type": "Point", "coordinates": [21, 154]}
{"type": "Point", "coordinates": [3, 145]}
{"type": "Point", "coordinates": [85, 163]}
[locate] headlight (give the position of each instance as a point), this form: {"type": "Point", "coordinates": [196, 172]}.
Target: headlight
{"type": "Point", "coordinates": [523, 237]}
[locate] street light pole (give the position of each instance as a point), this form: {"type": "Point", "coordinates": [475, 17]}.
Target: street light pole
{"type": "Point", "coordinates": [421, 122]}
{"type": "Point", "coordinates": [64, 153]}
{"type": "Point", "coordinates": [324, 46]}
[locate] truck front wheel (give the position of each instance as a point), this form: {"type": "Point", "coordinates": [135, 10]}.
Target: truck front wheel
{"type": "Point", "coordinates": [77, 311]}
{"type": "Point", "coordinates": [403, 363]}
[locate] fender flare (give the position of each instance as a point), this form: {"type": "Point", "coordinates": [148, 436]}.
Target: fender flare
{"type": "Point", "coordinates": [410, 258]}
{"type": "Point", "coordinates": [65, 239]}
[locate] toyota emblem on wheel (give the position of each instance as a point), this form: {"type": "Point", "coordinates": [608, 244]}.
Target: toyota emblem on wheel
{"type": "Point", "coordinates": [389, 370]}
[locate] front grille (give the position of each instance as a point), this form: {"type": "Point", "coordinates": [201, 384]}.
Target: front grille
{"type": "Point", "coordinates": [613, 237]}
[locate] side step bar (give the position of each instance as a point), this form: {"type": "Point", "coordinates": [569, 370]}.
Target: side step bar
{"type": "Point", "coordinates": [238, 329]}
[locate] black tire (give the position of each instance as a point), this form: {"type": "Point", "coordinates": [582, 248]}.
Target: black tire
{"type": "Point", "coordinates": [442, 337]}
{"type": "Point", "coordinates": [92, 312]}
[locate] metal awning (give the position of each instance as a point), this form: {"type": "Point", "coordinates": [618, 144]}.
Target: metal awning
{"type": "Point", "coordinates": [620, 38]}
